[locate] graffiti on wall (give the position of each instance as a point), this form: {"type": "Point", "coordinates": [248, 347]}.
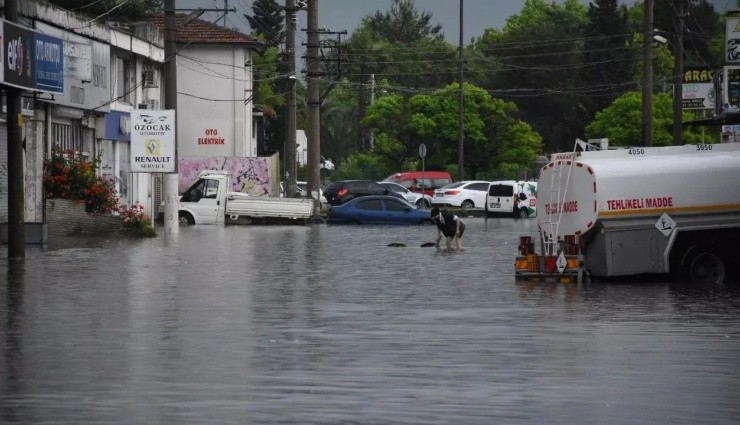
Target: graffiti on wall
{"type": "Point", "coordinates": [248, 174]}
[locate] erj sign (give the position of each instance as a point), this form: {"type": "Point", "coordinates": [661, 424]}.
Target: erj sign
{"type": "Point", "coordinates": [153, 141]}
{"type": "Point", "coordinates": [31, 60]}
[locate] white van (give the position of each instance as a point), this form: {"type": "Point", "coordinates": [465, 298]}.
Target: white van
{"type": "Point", "coordinates": [511, 197]}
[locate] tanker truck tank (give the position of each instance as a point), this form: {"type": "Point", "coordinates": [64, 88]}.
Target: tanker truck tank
{"type": "Point", "coordinates": [639, 211]}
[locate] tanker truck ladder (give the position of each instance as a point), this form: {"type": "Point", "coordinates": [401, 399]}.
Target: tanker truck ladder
{"type": "Point", "coordinates": [549, 235]}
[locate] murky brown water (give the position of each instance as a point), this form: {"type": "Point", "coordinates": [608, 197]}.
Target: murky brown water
{"type": "Point", "coordinates": [327, 325]}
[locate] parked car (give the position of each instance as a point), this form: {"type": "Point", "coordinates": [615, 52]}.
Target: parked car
{"type": "Point", "coordinates": [340, 192]}
{"type": "Point", "coordinates": [510, 197]}
{"type": "Point", "coordinates": [465, 194]}
{"type": "Point", "coordinates": [303, 192]}
{"type": "Point", "coordinates": [373, 209]}
{"type": "Point", "coordinates": [421, 181]}
{"type": "Point", "coordinates": [418, 199]}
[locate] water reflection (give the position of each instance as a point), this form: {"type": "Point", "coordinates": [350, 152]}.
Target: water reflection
{"type": "Point", "coordinates": [327, 324]}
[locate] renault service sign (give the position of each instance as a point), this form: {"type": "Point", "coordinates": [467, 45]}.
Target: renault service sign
{"type": "Point", "coordinates": [153, 141]}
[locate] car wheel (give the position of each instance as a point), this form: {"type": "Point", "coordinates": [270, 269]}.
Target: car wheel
{"type": "Point", "coordinates": [523, 212]}
{"type": "Point", "coordinates": [467, 204]}
{"type": "Point", "coordinates": [185, 219]}
{"type": "Point", "coordinates": [422, 203]}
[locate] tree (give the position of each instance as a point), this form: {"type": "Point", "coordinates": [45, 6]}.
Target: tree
{"type": "Point", "coordinates": [701, 28]}
{"type": "Point", "coordinates": [119, 10]}
{"type": "Point", "coordinates": [497, 143]}
{"type": "Point", "coordinates": [267, 21]}
{"type": "Point", "coordinates": [621, 122]}
{"type": "Point", "coordinates": [537, 61]}
{"type": "Point", "coordinates": [339, 129]}
{"type": "Point", "coordinates": [400, 46]}
{"type": "Point", "coordinates": [403, 23]}
{"type": "Point", "coordinates": [608, 60]}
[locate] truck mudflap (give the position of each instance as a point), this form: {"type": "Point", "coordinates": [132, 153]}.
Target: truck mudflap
{"type": "Point", "coordinates": [533, 268]}
{"type": "Point", "coordinates": [565, 267]}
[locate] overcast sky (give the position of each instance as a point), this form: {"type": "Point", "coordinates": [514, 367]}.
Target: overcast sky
{"type": "Point", "coordinates": [337, 15]}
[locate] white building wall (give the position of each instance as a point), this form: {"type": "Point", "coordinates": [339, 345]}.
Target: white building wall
{"type": "Point", "coordinates": [134, 188]}
{"type": "Point", "coordinates": [214, 109]}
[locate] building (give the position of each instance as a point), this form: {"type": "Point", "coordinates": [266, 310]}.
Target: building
{"type": "Point", "coordinates": [107, 72]}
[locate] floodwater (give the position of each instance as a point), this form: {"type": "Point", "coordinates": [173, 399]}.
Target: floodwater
{"type": "Point", "coordinates": [328, 325]}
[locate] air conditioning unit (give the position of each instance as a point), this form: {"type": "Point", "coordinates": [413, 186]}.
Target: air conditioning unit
{"type": "Point", "coordinates": [148, 104]}
{"type": "Point", "coordinates": [149, 78]}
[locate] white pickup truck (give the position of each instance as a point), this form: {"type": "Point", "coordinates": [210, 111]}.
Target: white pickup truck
{"type": "Point", "coordinates": [208, 201]}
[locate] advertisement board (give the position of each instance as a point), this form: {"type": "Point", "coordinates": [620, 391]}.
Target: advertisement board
{"type": "Point", "coordinates": [153, 141]}
{"type": "Point", "coordinates": [732, 37]}
{"type": "Point", "coordinates": [18, 46]}
{"type": "Point", "coordinates": [86, 68]}
{"type": "Point", "coordinates": [49, 63]}
{"type": "Point", "coordinates": [698, 89]}
{"type": "Point", "coordinates": [31, 60]}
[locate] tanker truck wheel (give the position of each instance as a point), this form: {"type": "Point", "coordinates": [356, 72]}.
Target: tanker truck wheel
{"type": "Point", "coordinates": [705, 266]}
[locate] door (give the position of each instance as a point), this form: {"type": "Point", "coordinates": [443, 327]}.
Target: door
{"type": "Point", "coordinates": [370, 211]}
{"type": "Point", "coordinates": [500, 198]}
{"type": "Point", "coordinates": [478, 194]}
{"type": "Point", "coordinates": [203, 201]}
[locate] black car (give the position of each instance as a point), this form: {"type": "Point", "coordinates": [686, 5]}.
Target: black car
{"type": "Point", "coordinates": [340, 192]}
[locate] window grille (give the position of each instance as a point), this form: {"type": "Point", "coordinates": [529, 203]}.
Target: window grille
{"type": "Point", "coordinates": [67, 136]}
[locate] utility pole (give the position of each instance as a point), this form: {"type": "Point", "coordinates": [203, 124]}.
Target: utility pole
{"type": "Point", "coordinates": [647, 76]}
{"type": "Point", "coordinates": [171, 180]}
{"type": "Point", "coordinates": [16, 195]}
{"type": "Point", "coordinates": [372, 101]}
{"type": "Point", "coordinates": [314, 102]}
{"type": "Point", "coordinates": [461, 104]}
{"type": "Point", "coordinates": [290, 107]}
{"type": "Point", "coordinates": [678, 75]}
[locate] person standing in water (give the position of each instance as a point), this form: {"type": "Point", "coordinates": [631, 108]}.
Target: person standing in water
{"type": "Point", "coordinates": [449, 225]}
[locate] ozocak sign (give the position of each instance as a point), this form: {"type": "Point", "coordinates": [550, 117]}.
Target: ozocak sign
{"type": "Point", "coordinates": [153, 141]}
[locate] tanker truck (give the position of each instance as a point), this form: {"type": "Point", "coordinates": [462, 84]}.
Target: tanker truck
{"type": "Point", "coordinates": [609, 214]}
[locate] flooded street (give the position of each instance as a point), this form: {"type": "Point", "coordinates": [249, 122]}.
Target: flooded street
{"type": "Point", "coordinates": [328, 325]}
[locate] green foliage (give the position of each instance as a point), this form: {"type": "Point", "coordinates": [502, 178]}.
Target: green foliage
{"type": "Point", "coordinates": [118, 10]}
{"type": "Point", "coordinates": [339, 126]}
{"type": "Point", "coordinates": [403, 23]}
{"type": "Point", "coordinates": [134, 218]}
{"type": "Point", "coordinates": [496, 142]}
{"type": "Point", "coordinates": [621, 122]}
{"type": "Point", "coordinates": [267, 21]}
{"type": "Point", "coordinates": [266, 80]}
{"type": "Point", "coordinates": [663, 63]}
{"type": "Point", "coordinates": [363, 167]}
{"type": "Point", "coordinates": [402, 48]}
{"type": "Point", "coordinates": [70, 176]}
{"type": "Point", "coordinates": [538, 57]}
